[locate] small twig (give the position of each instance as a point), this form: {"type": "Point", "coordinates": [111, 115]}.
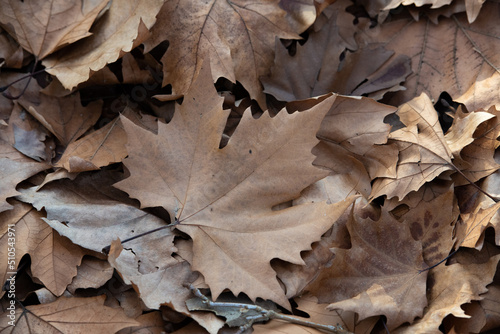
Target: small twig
{"type": "Point", "coordinates": [264, 314]}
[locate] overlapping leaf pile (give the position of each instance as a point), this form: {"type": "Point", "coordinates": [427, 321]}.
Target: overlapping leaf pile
{"type": "Point", "coordinates": [133, 185]}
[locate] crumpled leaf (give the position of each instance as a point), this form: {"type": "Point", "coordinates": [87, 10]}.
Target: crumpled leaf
{"type": "Point", "coordinates": [237, 36]}
{"type": "Point", "coordinates": [14, 168]}
{"type": "Point", "coordinates": [469, 282]}
{"type": "Point", "coordinates": [223, 198]}
{"type": "Point", "coordinates": [476, 159]}
{"type": "Point", "coordinates": [120, 30]}
{"type": "Point", "coordinates": [43, 27]}
{"type": "Point", "coordinates": [59, 317]}
{"type": "Point", "coordinates": [423, 151]}
{"type": "Point", "coordinates": [378, 274]}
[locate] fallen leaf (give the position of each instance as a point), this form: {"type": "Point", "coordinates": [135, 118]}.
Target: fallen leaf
{"type": "Point", "coordinates": [476, 159]}
{"type": "Point", "coordinates": [14, 168]}
{"type": "Point", "coordinates": [44, 27]}
{"type": "Point", "coordinates": [118, 31]}
{"type": "Point", "coordinates": [219, 196]}
{"type": "Point", "coordinates": [356, 127]}
{"type": "Point", "coordinates": [237, 36]}
{"type": "Point", "coordinates": [163, 286]}
{"type": "Point", "coordinates": [92, 273]}
{"type": "Point", "coordinates": [468, 283]}
{"type": "Point", "coordinates": [69, 315]}
{"type": "Point", "coordinates": [423, 151]}
{"type": "Point", "coordinates": [452, 54]}
{"type": "Point", "coordinates": [89, 206]}
{"type": "Point", "coordinates": [54, 259]}
{"type": "Point", "coordinates": [378, 274]}
{"type": "Point", "coordinates": [65, 116]}
{"type": "Point", "coordinates": [97, 149]}
{"type": "Point", "coordinates": [433, 223]}
{"type": "Point", "coordinates": [150, 323]}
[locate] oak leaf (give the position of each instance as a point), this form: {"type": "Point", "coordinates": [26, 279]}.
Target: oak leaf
{"type": "Point", "coordinates": [123, 27]}
{"type": "Point", "coordinates": [223, 198]}
{"type": "Point", "coordinates": [238, 36]}
{"type": "Point", "coordinates": [378, 274]}
{"type": "Point", "coordinates": [57, 23]}
{"type": "Point", "coordinates": [69, 315]}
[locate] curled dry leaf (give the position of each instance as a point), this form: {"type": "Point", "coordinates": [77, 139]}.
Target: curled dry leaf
{"type": "Point", "coordinates": [118, 31]}
{"type": "Point", "coordinates": [469, 282]}
{"type": "Point", "coordinates": [43, 27]}
{"type": "Point", "coordinates": [14, 168]}
{"type": "Point", "coordinates": [238, 36]}
{"type": "Point", "coordinates": [223, 198]}
{"type": "Point", "coordinates": [377, 275]}
{"type": "Point", "coordinates": [423, 151]}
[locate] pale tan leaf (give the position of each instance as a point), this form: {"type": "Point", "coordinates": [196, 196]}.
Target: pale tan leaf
{"type": "Point", "coordinates": [423, 151]}
{"type": "Point", "coordinates": [42, 27]}
{"type": "Point", "coordinates": [301, 13]}
{"type": "Point", "coordinates": [473, 7]}
{"type": "Point", "coordinates": [119, 31]}
{"type": "Point", "coordinates": [69, 315]}
{"type": "Point", "coordinates": [238, 37]}
{"type": "Point", "coordinates": [477, 160]}
{"type": "Point", "coordinates": [150, 323]}
{"type": "Point", "coordinates": [357, 126]}
{"type": "Point", "coordinates": [97, 149]}
{"type": "Point", "coordinates": [54, 259]}
{"type": "Point", "coordinates": [163, 285]}
{"type": "Point", "coordinates": [89, 206]}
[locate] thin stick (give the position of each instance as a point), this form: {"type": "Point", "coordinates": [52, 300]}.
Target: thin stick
{"type": "Point", "coordinates": [265, 314]}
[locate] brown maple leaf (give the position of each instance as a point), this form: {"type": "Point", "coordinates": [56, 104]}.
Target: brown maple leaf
{"type": "Point", "coordinates": [378, 275]}
{"type": "Point", "coordinates": [57, 24]}
{"type": "Point", "coordinates": [223, 198]}
{"type": "Point", "coordinates": [452, 55]}
{"type": "Point", "coordinates": [238, 36]}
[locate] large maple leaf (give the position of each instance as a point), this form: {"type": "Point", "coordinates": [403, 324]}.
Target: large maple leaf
{"type": "Point", "coordinates": [223, 198]}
